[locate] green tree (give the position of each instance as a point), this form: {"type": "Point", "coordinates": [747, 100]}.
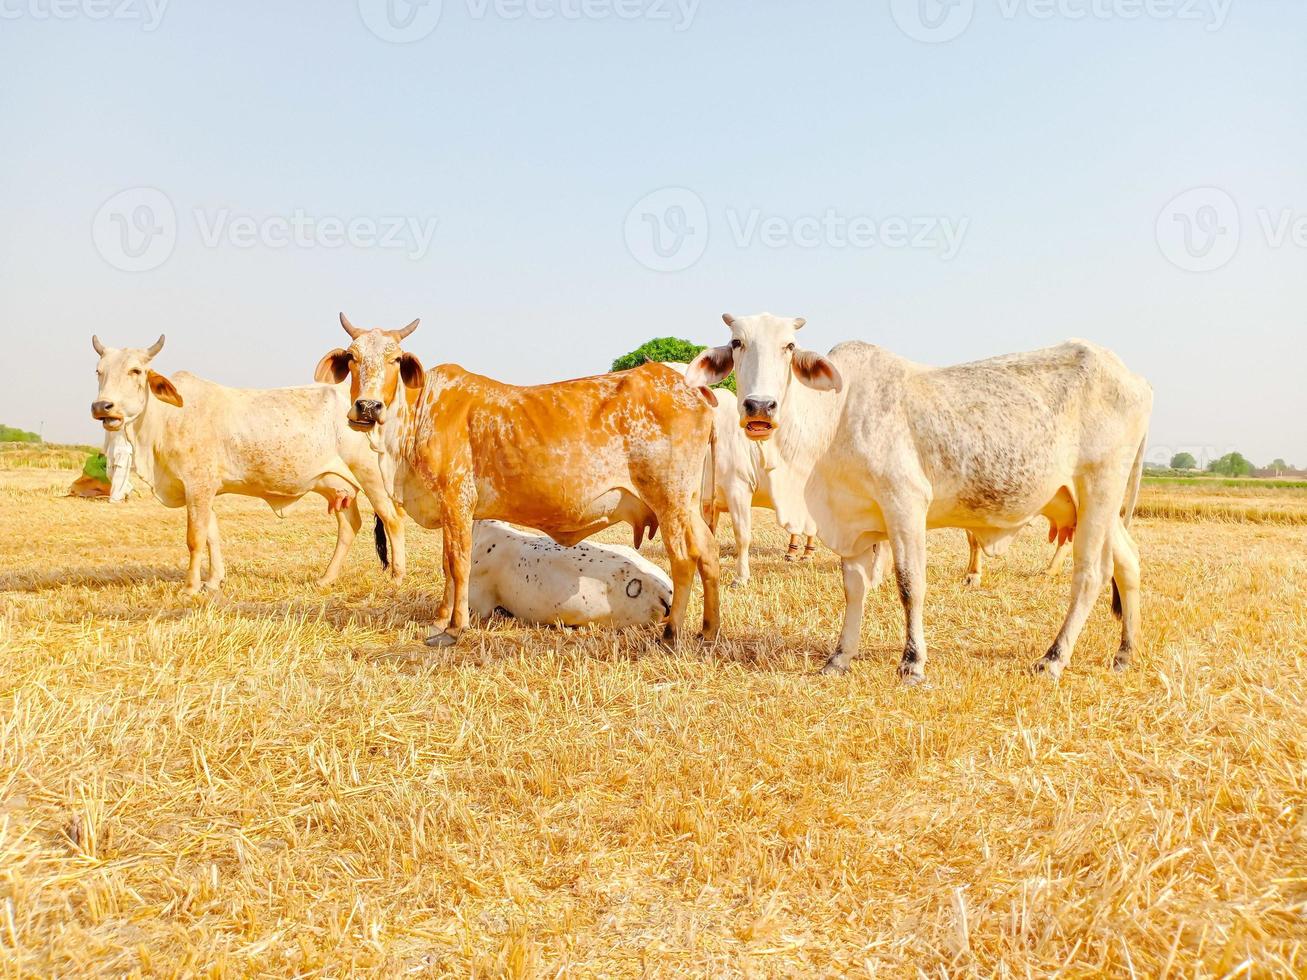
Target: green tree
{"type": "Point", "coordinates": [1278, 466]}
{"type": "Point", "coordinates": [667, 349]}
{"type": "Point", "coordinates": [1231, 464]}
{"type": "Point", "coordinates": [1184, 461]}
{"type": "Point", "coordinates": [10, 434]}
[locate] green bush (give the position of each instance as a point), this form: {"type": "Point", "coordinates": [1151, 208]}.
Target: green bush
{"type": "Point", "coordinates": [10, 434]}
{"type": "Point", "coordinates": [667, 349]}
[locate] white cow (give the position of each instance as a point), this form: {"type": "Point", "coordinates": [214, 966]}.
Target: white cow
{"type": "Point", "coordinates": [193, 439]}
{"type": "Point", "coordinates": [884, 449]}
{"type": "Point", "coordinates": [533, 578]}
{"type": "Point", "coordinates": [743, 478]}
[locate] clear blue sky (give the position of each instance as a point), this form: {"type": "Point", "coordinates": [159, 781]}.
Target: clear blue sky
{"type": "Point", "coordinates": [1055, 141]}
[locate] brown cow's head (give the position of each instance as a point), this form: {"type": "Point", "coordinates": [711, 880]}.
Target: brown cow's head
{"type": "Point", "coordinates": [126, 383]}
{"type": "Point", "coordinates": [375, 366]}
{"type": "Point", "coordinates": [765, 358]}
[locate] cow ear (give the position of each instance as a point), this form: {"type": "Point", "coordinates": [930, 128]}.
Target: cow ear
{"type": "Point", "coordinates": [711, 366]}
{"type": "Point", "coordinates": [410, 369]}
{"type": "Point", "coordinates": [162, 389]}
{"type": "Point", "coordinates": [816, 371]}
{"type": "Point", "coordinates": [333, 368]}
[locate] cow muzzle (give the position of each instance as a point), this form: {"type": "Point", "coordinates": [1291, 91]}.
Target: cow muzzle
{"type": "Point", "coordinates": [366, 413]}
{"type": "Point", "coordinates": [758, 417]}
{"type": "Point", "coordinates": [107, 415]}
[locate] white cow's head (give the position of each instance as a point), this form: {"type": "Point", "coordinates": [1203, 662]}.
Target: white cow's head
{"type": "Point", "coordinates": [375, 365]}
{"type": "Point", "coordinates": [126, 383]}
{"type": "Point", "coordinates": [766, 362]}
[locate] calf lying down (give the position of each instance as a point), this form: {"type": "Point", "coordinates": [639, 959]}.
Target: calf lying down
{"type": "Point", "coordinates": [533, 578]}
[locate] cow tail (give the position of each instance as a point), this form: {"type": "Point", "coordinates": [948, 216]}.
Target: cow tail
{"type": "Point", "coordinates": [1128, 510]}
{"type": "Point", "coordinates": [379, 539]}
{"type": "Point", "coordinates": [709, 502]}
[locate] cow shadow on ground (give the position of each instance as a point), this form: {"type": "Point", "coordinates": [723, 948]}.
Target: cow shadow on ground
{"type": "Point", "coordinates": [95, 576]}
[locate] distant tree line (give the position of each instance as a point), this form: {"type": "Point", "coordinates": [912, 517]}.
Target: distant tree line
{"type": "Point", "coordinates": [1233, 464]}
{"type": "Point", "coordinates": [10, 434]}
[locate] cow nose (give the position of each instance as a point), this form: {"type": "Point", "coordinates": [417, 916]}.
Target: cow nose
{"type": "Point", "coordinates": [101, 408]}
{"type": "Point", "coordinates": [755, 406]}
{"type": "Point", "coordinates": [367, 408]}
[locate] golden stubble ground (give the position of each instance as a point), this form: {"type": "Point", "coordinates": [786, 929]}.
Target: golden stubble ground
{"type": "Point", "coordinates": [273, 784]}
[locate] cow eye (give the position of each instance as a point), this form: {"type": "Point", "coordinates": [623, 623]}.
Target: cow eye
{"type": "Point", "coordinates": [736, 344]}
{"type": "Point", "coordinates": [135, 372]}
{"type": "Point", "coordinates": [789, 348]}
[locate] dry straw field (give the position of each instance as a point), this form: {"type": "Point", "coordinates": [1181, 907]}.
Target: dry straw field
{"type": "Point", "coordinates": [279, 783]}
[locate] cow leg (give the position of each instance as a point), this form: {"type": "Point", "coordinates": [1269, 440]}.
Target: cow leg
{"type": "Point", "coordinates": [217, 570]}
{"type": "Point", "coordinates": [809, 547]}
{"type": "Point", "coordinates": [1092, 564]}
{"type": "Point", "coordinates": [391, 519]}
{"type": "Point", "coordinates": [707, 557]}
{"type": "Point", "coordinates": [909, 542]}
{"type": "Point", "coordinates": [348, 522]}
{"type": "Point", "coordinates": [795, 548]}
{"type": "Point", "coordinates": [976, 565]}
{"type": "Point", "coordinates": [859, 573]}
{"type": "Point", "coordinates": [679, 542]}
{"type": "Point", "coordinates": [199, 508]}
{"type": "Point", "coordinates": [1125, 573]}
{"type": "Point", "coordinates": [742, 524]}
{"type": "Point", "coordinates": [458, 571]}
{"type": "Point", "coordinates": [1055, 565]}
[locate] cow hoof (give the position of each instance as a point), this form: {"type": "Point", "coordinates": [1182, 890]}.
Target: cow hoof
{"type": "Point", "coordinates": [833, 668]}
{"type": "Point", "coordinates": [739, 583]}
{"type": "Point", "coordinates": [1121, 662]}
{"type": "Point", "coordinates": [912, 680]}
{"type": "Point", "coordinates": [1048, 666]}
{"type": "Point", "coordinates": [441, 640]}
{"type": "Point", "coordinates": [972, 580]}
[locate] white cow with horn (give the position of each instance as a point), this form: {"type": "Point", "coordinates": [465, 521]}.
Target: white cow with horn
{"type": "Point", "coordinates": [193, 439]}
{"type": "Point", "coordinates": [884, 449]}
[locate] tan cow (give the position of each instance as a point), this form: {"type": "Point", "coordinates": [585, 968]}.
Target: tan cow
{"type": "Point", "coordinates": [569, 459]}
{"type": "Point", "coordinates": [193, 439]}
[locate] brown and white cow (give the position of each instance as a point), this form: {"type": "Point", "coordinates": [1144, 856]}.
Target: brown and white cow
{"type": "Point", "coordinates": [884, 449]}
{"type": "Point", "coordinates": [193, 439]}
{"type": "Point", "coordinates": [569, 459]}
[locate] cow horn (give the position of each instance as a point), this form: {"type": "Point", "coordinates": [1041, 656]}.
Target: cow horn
{"type": "Point", "coordinates": [728, 319]}
{"type": "Point", "coordinates": [99, 347]}
{"type": "Point", "coordinates": [155, 347]}
{"type": "Point", "coordinates": [350, 329]}
{"type": "Point", "coordinates": [401, 334]}
{"type": "Point", "coordinates": [799, 322]}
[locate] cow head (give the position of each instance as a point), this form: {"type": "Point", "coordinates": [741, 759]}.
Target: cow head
{"type": "Point", "coordinates": [766, 360]}
{"type": "Point", "coordinates": [126, 383]}
{"type": "Point", "coordinates": [375, 366]}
